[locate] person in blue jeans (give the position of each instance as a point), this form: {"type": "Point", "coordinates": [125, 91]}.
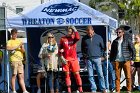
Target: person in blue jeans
{"type": "Point", "coordinates": [108, 71]}
{"type": "Point", "coordinates": [110, 78]}
{"type": "Point", "coordinates": [48, 55]}
{"type": "Point", "coordinates": [53, 81]}
{"type": "Point", "coordinates": [92, 46]}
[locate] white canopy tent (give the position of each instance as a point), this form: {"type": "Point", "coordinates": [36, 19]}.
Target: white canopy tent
{"type": "Point", "coordinates": [57, 13]}
{"type": "Point", "coordinates": [61, 13]}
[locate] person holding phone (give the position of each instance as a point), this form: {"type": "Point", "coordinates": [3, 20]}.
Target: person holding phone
{"type": "Point", "coordinates": [16, 50]}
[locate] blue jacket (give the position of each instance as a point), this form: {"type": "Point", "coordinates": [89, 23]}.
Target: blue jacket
{"type": "Point", "coordinates": [92, 48]}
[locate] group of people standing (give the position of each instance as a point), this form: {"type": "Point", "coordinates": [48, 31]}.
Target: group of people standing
{"type": "Point", "coordinates": [49, 54]}
{"type": "Point", "coordinates": [121, 53]}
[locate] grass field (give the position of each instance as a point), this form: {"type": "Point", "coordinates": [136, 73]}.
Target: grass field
{"type": "Point", "coordinates": [136, 91]}
{"type": "Point", "coordinates": [114, 92]}
{"type": "Point", "coordinates": [131, 92]}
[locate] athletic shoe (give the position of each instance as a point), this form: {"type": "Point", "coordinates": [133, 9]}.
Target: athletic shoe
{"type": "Point", "coordinates": [39, 90]}
{"type": "Point", "coordinates": [25, 92]}
{"type": "Point", "coordinates": [13, 92]}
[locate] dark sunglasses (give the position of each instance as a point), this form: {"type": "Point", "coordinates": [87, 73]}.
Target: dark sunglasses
{"type": "Point", "coordinates": [118, 32]}
{"type": "Point", "coordinates": [50, 37]}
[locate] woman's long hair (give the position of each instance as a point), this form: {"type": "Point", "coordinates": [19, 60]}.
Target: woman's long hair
{"type": "Point", "coordinates": [50, 35]}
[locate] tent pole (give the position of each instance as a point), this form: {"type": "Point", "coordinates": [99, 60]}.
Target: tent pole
{"type": "Point", "coordinates": [107, 28]}
{"type": "Point", "coordinates": [6, 57]}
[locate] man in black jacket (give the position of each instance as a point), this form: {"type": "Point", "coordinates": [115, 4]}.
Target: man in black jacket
{"type": "Point", "coordinates": [122, 53]}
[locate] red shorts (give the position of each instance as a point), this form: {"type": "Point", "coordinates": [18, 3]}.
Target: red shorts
{"type": "Point", "coordinates": [72, 66]}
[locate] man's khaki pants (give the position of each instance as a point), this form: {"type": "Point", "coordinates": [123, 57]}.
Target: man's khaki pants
{"type": "Point", "coordinates": [126, 67]}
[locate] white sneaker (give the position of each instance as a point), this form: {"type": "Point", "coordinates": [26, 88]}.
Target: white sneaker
{"type": "Point", "coordinates": [77, 91]}
{"type": "Point", "coordinates": [25, 92]}
{"type": "Point", "coordinates": [107, 90]}
{"type": "Point", "coordinates": [39, 90]}
{"type": "Point", "coordinates": [13, 92]}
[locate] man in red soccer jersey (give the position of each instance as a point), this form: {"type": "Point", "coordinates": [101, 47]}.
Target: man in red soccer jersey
{"type": "Point", "coordinates": [68, 51]}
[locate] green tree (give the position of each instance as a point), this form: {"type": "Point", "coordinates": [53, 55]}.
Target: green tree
{"type": "Point", "coordinates": [105, 6]}
{"type": "Point", "coordinates": [132, 10]}
{"type": "Point", "coordinates": [92, 3]}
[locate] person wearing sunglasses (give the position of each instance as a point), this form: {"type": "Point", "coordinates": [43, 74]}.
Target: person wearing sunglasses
{"type": "Point", "coordinates": [67, 50]}
{"type": "Point", "coordinates": [122, 53]}
{"type": "Point", "coordinates": [49, 59]}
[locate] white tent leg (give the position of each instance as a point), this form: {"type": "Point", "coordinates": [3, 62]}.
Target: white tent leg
{"type": "Point", "coordinates": [7, 64]}
{"type": "Point", "coordinates": [8, 76]}
{"type": "Point", "coordinates": [107, 48]}
{"type": "Point", "coordinates": [7, 61]}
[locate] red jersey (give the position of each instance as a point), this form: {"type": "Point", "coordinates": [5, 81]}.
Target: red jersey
{"type": "Point", "coordinates": [69, 46]}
